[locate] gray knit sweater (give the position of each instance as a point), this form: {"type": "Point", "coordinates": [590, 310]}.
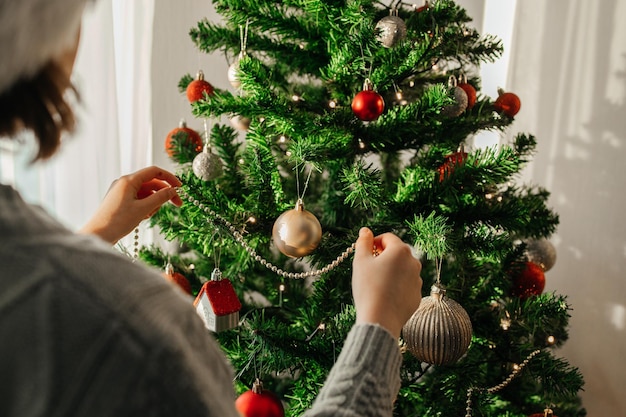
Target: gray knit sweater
{"type": "Point", "coordinates": [86, 332]}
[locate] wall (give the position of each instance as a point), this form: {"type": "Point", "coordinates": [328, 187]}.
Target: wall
{"type": "Point", "coordinates": [566, 59]}
{"type": "Point", "coordinates": [569, 68]}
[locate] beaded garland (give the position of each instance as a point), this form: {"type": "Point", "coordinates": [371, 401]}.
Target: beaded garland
{"type": "Point", "coordinates": [501, 385]}
{"type": "Point", "coordinates": [215, 218]}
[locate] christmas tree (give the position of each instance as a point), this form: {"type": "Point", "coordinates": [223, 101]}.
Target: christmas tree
{"type": "Point", "coordinates": [351, 113]}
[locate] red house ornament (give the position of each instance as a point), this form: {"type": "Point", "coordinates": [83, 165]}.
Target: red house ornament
{"type": "Point", "coordinates": [217, 303]}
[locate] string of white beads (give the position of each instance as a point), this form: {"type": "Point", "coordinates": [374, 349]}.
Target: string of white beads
{"type": "Point", "coordinates": [501, 385]}
{"type": "Point", "coordinates": [214, 218]}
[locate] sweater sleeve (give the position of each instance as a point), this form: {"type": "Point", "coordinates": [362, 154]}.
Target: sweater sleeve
{"type": "Point", "coordinates": [365, 379]}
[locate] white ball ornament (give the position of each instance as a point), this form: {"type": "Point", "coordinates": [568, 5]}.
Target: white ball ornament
{"type": "Point", "coordinates": [207, 166]}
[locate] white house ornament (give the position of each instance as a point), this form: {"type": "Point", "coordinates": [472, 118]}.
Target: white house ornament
{"type": "Point", "coordinates": [297, 232]}
{"type": "Point", "coordinates": [217, 303]}
{"type": "Point", "coordinates": [440, 330]}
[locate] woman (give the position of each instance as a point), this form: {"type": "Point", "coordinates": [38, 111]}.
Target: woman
{"type": "Point", "coordinates": [84, 331]}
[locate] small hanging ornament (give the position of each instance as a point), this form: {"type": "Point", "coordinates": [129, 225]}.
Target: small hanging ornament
{"type": "Point", "coordinates": [528, 280]}
{"type": "Point", "coordinates": [192, 138]}
{"type": "Point", "coordinates": [233, 71]}
{"type": "Point", "coordinates": [541, 252]}
{"type": "Point", "coordinates": [507, 103]}
{"type": "Point", "coordinates": [259, 402]}
{"type": "Point", "coordinates": [217, 303]}
{"type": "Point", "coordinates": [440, 330]}
{"type": "Point", "coordinates": [391, 29]}
{"type": "Point", "coordinates": [469, 90]}
{"type": "Point", "coordinates": [297, 232]}
{"type": "Point", "coordinates": [240, 122]}
{"type": "Point", "coordinates": [198, 88]}
{"type": "Point", "coordinates": [177, 278]}
{"type": "Point", "coordinates": [546, 413]}
{"type": "Point", "coordinates": [368, 104]}
{"type": "Point", "coordinates": [206, 165]}
{"type": "Point", "coordinates": [460, 100]}
{"type": "Point", "coordinates": [451, 162]}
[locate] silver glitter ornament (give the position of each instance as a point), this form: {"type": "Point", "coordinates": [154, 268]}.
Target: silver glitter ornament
{"type": "Point", "coordinates": [541, 252]}
{"type": "Point", "coordinates": [206, 165]}
{"type": "Point", "coordinates": [459, 105]}
{"type": "Point", "coordinates": [297, 232]}
{"type": "Point", "coordinates": [391, 30]}
{"type": "Point", "coordinates": [440, 330]}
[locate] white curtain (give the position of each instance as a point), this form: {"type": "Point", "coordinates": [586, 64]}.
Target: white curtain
{"type": "Point", "coordinates": [114, 136]}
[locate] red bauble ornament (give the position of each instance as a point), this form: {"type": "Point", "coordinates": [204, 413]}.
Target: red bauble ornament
{"type": "Point", "coordinates": [177, 278]}
{"type": "Point", "coordinates": [507, 103]}
{"type": "Point", "coordinates": [469, 90]}
{"type": "Point", "coordinates": [197, 88]}
{"type": "Point", "coordinates": [368, 104]}
{"type": "Point", "coordinates": [259, 402]}
{"type": "Point", "coordinates": [528, 280]}
{"type": "Point", "coordinates": [451, 161]}
{"type": "Point", "coordinates": [193, 138]}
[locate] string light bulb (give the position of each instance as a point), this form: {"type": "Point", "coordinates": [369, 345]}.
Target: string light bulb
{"type": "Point", "coordinates": [551, 340]}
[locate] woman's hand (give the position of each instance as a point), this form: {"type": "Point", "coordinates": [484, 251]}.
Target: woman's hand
{"type": "Point", "coordinates": [387, 286]}
{"type": "Point", "coordinates": [131, 199]}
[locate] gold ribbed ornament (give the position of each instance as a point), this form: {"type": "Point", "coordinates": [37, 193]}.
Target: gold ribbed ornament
{"type": "Point", "coordinates": [440, 330]}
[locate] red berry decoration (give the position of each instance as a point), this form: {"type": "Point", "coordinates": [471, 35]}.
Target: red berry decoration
{"type": "Point", "coordinates": [193, 138]}
{"type": "Point", "coordinates": [529, 280]}
{"type": "Point", "coordinates": [259, 402]}
{"type": "Point", "coordinates": [197, 88]}
{"type": "Point", "coordinates": [177, 278]}
{"type": "Point", "coordinates": [507, 103]}
{"type": "Point", "coordinates": [469, 90]}
{"type": "Point", "coordinates": [451, 161]}
{"type": "Point", "coordinates": [368, 104]}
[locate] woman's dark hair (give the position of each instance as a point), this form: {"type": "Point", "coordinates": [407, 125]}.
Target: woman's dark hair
{"type": "Point", "coordinates": [39, 104]}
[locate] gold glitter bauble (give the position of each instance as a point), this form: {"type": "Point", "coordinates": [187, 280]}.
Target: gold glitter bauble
{"type": "Point", "coordinates": [297, 232]}
{"type": "Point", "coordinates": [440, 330]}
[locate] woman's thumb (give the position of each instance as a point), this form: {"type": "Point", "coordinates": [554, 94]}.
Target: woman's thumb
{"type": "Point", "coordinates": [365, 242]}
